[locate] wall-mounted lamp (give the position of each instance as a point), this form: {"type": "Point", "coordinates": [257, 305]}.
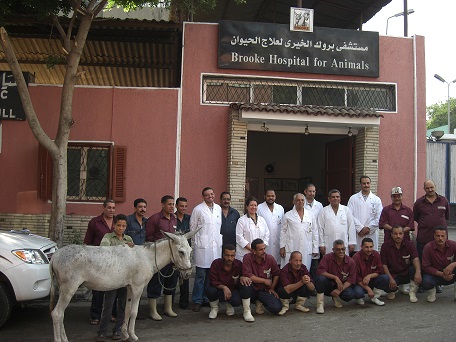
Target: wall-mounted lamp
{"type": "Point", "coordinates": [264, 127]}
{"type": "Point", "coordinates": [306, 130]}
{"type": "Point", "coordinates": [349, 133]}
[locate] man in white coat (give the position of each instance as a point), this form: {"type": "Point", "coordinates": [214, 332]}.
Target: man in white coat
{"type": "Point", "coordinates": [273, 214]}
{"type": "Point", "coordinates": [366, 209]}
{"type": "Point", "coordinates": [299, 233]}
{"type": "Point", "coordinates": [206, 244]}
{"type": "Point", "coordinates": [335, 222]}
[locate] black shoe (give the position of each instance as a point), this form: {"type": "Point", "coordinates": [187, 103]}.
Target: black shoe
{"type": "Point", "coordinates": [117, 336]}
{"type": "Point", "coordinates": [439, 289]}
{"type": "Point", "coordinates": [206, 304]}
{"type": "Point", "coordinates": [420, 290]}
{"type": "Point", "coordinates": [183, 306]}
{"type": "Point", "coordinates": [196, 307]}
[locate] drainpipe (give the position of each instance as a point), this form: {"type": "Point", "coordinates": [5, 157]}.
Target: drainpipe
{"type": "Point", "coordinates": [415, 120]}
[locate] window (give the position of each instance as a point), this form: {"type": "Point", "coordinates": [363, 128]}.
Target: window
{"type": "Point", "coordinates": [377, 96]}
{"type": "Point", "coordinates": [95, 172]}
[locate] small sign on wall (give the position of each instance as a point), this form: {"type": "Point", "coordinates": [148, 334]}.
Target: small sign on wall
{"type": "Point", "coordinates": [301, 19]}
{"type": "Point", "coordinates": [10, 101]}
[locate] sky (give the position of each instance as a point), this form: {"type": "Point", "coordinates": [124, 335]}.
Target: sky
{"type": "Point", "coordinates": [435, 20]}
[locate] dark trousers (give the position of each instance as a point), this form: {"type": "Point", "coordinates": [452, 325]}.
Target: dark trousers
{"type": "Point", "coordinates": [405, 279]}
{"type": "Point", "coordinates": [326, 286]}
{"type": "Point", "coordinates": [184, 292]}
{"type": "Point", "coordinates": [313, 268]}
{"type": "Point", "coordinates": [430, 281]}
{"type": "Point", "coordinates": [97, 304]}
{"type": "Point", "coordinates": [303, 291]}
{"type": "Point", "coordinates": [214, 293]}
{"type": "Point", "coordinates": [381, 283]}
{"type": "Point", "coordinates": [108, 305]}
{"type": "Point", "coordinates": [271, 303]}
{"type": "Point", "coordinates": [419, 248]}
{"type": "Point", "coordinates": [166, 282]}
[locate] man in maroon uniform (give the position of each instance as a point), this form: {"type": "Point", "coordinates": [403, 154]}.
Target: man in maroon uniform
{"type": "Point", "coordinates": [295, 283]}
{"type": "Point", "coordinates": [370, 278]}
{"type": "Point", "coordinates": [166, 278]}
{"type": "Point", "coordinates": [225, 275]}
{"type": "Point", "coordinates": [336, 277]}
{"type": "Point", "coordinates": [438, 262]}
{"type": "Point", "coordinates": [401, 263]}
{"type": "Point", "coordinates": [97, 228]}
{"type": "Point", "coordinates": [396, 214]}
{"type": "Point", "coordinates": [262, 269]}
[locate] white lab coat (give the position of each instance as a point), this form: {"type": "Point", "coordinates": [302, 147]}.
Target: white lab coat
{"type": "Point", "coordinates": [315, 208]}
{"type": "Point", "coordinates": [207, 243]}
{"type": "Point", "coordinates": [299, 235]}
{"type": "Point", "coordinates": [366, 214]}
{"type": "Point", "coordinates": [274, 222]}
{"type": "Point", "coordinates": [247, 231]}
{"type": "Point", "coordinates": [332, 227]}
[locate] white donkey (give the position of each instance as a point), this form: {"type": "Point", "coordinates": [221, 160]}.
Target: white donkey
{"type": "Point", "coordinates": [113, 267]}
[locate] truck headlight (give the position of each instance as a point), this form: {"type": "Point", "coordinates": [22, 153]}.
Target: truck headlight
{"type": "Point", "coordinates": [30, 256]}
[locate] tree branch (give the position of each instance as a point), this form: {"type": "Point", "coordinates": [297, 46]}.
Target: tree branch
{"type": "Point", "coordinates": [30, 113]}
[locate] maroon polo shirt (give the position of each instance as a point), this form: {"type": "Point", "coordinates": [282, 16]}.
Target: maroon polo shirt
{"type": "Point", "coordinates": [287, 276]}
{"type": "Point", "coordinates": [399, 259]}
{"type": "Point", "coordinates": [393, 217]}
{"type": "Point", "coordinates": [158, 222]}
{"type": "Point", "coordinates": [96, 229]}
{"type": "Point", "coordinates": [219, 276]}
{"type": "Point", "coordinates": [429, 215]}
{"type": "Point", "coordinates": [266, 269]}
{"type": "Point", "coordinates": [345, 272]}
{"type": "Point", "coordinates": [435, 260]}
{"type": "Point", "coordinates": [366, 265]}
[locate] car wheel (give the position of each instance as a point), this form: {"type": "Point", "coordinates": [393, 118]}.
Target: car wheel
{"type": "Point", "coordinates": [6, 304]}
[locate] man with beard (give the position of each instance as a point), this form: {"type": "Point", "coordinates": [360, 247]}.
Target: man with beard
{"type": "Point", "coordinates": [136, 222]}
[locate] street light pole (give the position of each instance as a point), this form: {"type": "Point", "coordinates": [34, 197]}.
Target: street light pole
{"type": "Point", "coordinates": [410, 11]}
{"type": "Point", "coordinates": [441, 79]}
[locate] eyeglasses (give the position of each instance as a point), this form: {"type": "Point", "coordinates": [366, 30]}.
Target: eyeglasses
{"type": "Point", "coordinates": [339, 249]}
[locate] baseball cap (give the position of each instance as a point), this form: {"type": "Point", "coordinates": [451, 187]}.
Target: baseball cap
{"type": "Point", "coordinates": [397, 190]}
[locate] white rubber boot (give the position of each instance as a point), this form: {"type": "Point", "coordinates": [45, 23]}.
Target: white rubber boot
{"type": "Point", "coordinates": [247, 313]}
{"type": "Point", "coordinates": [376, 300]}
{"type": "Point", "coordinates": [169, 306]}
{"type": "Point", "coordinates": [214, 309]}
{"type": "Point", "coordinates": [300, 301]}
{"type": "Point", "coordinates": [285, 306]}
{"type": "Point", "coordinates": [259, 307]}
{"type": "Point", "coordinates": [431, 295]}
{"type": "Point", "coordinates": [360, 301]}
{"type": "Point", "coordinates": [320, 303]}
{"type": "Point", "coordinates": [153, 310]}
{"type": "Point", "coordinates": [391, 295]}
{"type": "Point", "coordinates": [337, 302]}
{"type": "Point", "coordinates": [404, 288]}
{"type": "Point", "coordinates": [413, 287]}
{"type": "Point", "coordinates": [229, 309]}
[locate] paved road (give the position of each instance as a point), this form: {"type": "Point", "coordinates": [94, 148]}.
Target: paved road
{"type": "Point", "coordinates": [398, 320]}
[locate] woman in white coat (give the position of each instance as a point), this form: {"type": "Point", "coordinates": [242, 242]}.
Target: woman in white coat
{"type": "Point", "coordinates": [299, 233]}
{"type": "Point", "coordinates": [250, 227]}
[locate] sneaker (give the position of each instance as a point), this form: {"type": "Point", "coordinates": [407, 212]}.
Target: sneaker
{"type": "Point", "coordinates": [439, 288]}
{"type": "Point", "coordinates": [117, 336]}
{"type": "Point", "coordinates": [100, 338]}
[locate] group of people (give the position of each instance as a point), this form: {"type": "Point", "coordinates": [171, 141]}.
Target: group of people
{"type": "Point", "coordinates": [273, 258]}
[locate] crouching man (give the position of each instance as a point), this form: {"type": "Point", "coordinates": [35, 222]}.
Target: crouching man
{"type": "Point", "coordinates": [225, 275]}
{"type": "Point", "coordinates": [295, 284]}
{"type": "Point", "coordinates": [263, 271]}
{"type": "Point", "coordinates": [439, 263]}
{"type": "Point", "coordinates": [336, 277]}
{"type": "Point", "coordinates": [370, 278]}
{"type": "Point", "coordinates": [401, 263]}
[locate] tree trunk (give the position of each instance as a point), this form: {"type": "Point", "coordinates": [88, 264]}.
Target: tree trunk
{"type": "Point", "coordinates": [59, 192]}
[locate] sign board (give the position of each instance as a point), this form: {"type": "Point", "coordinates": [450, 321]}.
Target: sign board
{"type": "Point", "coordinates": [264, 46]}
{"type": "Point", "coordinates": [10, 101]}
{"type": "Point", "coordinates": [301, 19]}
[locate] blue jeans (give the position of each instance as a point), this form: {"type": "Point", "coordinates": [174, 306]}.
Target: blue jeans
{"type": "Point", "coordinates": [326, 286]}
{"type": "Point", "coordinates": [271, 303]}
{"type": "Point", "coordinates": [381, 283]}
{"type": "Point", "coordinates": [200, 285]}
{"type": "Point", "coordinates": [214, 293]}
{"type": "Point", "coordinates": [430, 281]}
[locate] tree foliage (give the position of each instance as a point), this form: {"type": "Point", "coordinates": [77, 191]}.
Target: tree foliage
{"type": "Point", "coordinates": [437, 114]}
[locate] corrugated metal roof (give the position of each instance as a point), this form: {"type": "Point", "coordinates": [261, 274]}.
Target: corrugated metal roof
{"type": "Point", "coordinates": [310, 110]}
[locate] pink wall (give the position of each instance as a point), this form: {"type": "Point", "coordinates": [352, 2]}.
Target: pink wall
{"type": "Point", "coordinates": [138, 118]}
{"type": "Point", "coordinates": [396, 148]}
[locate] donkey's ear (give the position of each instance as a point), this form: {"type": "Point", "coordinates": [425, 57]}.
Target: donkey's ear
{"type": "Point", "coordinates": [170, 236]}
{"type": "Point", "coordinates": [192, 233]}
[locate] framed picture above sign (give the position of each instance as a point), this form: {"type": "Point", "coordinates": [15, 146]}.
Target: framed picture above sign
{"type": "Point", "coordinates": [266, 46]}
{"type": "Point", "coordinates": [301, 19]}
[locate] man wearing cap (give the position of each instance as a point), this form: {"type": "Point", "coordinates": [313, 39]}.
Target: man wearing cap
{"type": "Point", "coordinates": [396, 214]}
{"type": "Point", "coordinates": [366, 209]}
{"type": "Point", "coordinates": [400, 263]}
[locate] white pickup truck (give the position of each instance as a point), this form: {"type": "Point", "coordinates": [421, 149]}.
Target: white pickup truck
{"type": "Point", "coordinates": [24, 269]}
